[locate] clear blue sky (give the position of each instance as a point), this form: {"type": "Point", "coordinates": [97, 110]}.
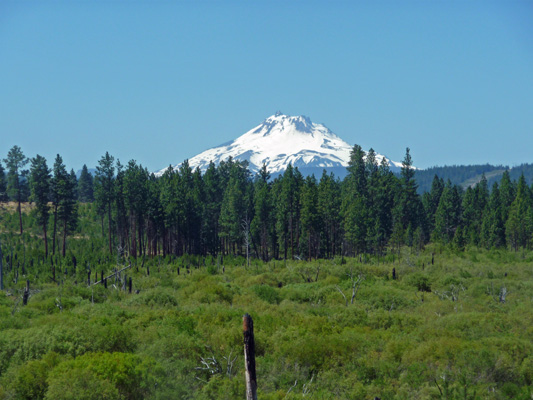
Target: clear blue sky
{"type": "Point", "coordinates": [160, 81]}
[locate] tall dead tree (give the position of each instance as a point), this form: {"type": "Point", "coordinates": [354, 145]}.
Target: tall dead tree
{"type": "Point", "coordinates": [246, 231]}
{"type": "Point", "coordinates": [249, 357]}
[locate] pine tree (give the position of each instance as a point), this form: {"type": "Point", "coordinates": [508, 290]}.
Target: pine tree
{"type": "Point", "coordinates": [135, 196]}
{"type": "Point", "coordinates": [329, 208]}
{"type": "Point", "coordinates": [58, 176]}
{"type": "Point", "coordinates": [3, 184]}
{"type": "Point", "coordinates": [288, 210]}
{"type": "Point", "coordinates": [507, 194]}
{"type": "Point", "coordinates": [74, 182]}
{"type": "Point", "coordinates": [155, 215]}
{"type": "Point", "coordinates": [85, 186]}
{"type": "Point", "coordinates": [104, 190]}
{"type": "Point", "coordinates": [170, 206]}
{"type": "Point", "coordinates": [235, 205]}
{"type": "Point", "coordinates": [408, 209]}
{"type": "Point", "coordinates": [459, 239]}
{"type": "Point", "coordinates": [493, 227]}
{"type": "Point", "coordinates": [474, 204]}
{"type": "Point", "coordinates": [470, 215]}
{"type": "Point", "coordinates": [517, 230]}
{"type": "Point", "coordinates": [211, 212]}
{"type": "Point", "coordinates": [448, 215]}
{"type": "Point", "coordinates": [40, 176]}
{"type": "Point", "coordinates": [15, 163]}
{"type": "Point", "coordinates": [120, 216]}
{"type": "Point", "coordinates": [355, 201]}
{"type": "Point", "coordinates": [431, 200]}
{"type": "Point", "coordinates": [310, 218]}
{"type": "Point", "coordinates": [64, 198]}
{"type": "Point", "coordinates": [261, 227]}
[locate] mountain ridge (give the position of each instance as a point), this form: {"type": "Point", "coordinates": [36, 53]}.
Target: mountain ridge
{"type": "Point", "coordinates": [282, 139]}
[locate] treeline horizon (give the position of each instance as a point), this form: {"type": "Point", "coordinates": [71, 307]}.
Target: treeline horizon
{"type": "Point", "coordinates": [229, 211]}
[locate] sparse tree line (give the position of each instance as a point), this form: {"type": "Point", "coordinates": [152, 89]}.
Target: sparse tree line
{"type": "Point", "coordinates": [226, 210]}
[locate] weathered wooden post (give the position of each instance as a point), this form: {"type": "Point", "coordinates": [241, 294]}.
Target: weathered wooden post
{"type": "Point", "coordinates": [249, 357]}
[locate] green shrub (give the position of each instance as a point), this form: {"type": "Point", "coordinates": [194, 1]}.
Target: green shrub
{"type": "Point", "coordinates": [420, 281]}
{"type": "Point", "coordinates": [267, 293]}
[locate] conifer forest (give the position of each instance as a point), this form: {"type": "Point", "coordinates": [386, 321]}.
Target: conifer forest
{"type": "Point", "coordinates": [116, 283]}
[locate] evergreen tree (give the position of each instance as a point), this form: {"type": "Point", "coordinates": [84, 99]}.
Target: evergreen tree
{"type": "Point", "coordinates": [234, 217]}
{"type": "Point", "coordinates": [329, 208]}
{"type": "Point", "coordinates": [196, 198]}
{"type": "Point", "coordinates": [431, 200]}
{"type": "Point", "coordinates": [58, 176]}
{"type": "Point", "coordinates": [64, 198]}
{"type": "Point", "coordinates": [288, 210]}
{"type": "Point", "coordinates": [261, 227]}
{"type": "Point", "coordinates": [3, 184]}
{"type": "Point", "coordinates": [120, 216]}
{"type": "Point", "coordinates": [507, 194]}
{"type": "Point", "coordinates": [408, 209]}
{"type": "Point", "coordinates": [474, 204]}
{"type": "Point", "coordinates": [170, 207]}
{"type": "Point", "coordinates": [459, 239]}
{"type": "Point", "coordinates": [40, 176]}
{"type": "Point", "coordinates": [211, 212]}
{"type": "Point", "coordinates": [448, 215]}
{"type": "Point", "coordinates": [85, 186]}
{"type": "Point", "coordinates": [383, 188]}
{"type": "Point", "coordinates": [470, 213]}
{"type": "Point", "coordinates": [517, 229]}
{"type": "Point", "coordinates": [74, 182]}
{"type": "Point", "coordinates": [135, 190]}
{"type": "Point", "coordinates": [310, 218]}
{"type": "Point", "coordinates": [104, 190]}
{"type": "Point", "coordinates": [493, 227]}
{"type": "Point", "coordinates": [155, 215]}
{"type": "Point", "coordinates": [355, 201]}
{"type": "Point", "coordinates": [16, 176]}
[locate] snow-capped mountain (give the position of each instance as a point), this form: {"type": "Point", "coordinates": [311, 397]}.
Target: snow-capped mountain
{"type": "Point", "coordinates": [282, 139]}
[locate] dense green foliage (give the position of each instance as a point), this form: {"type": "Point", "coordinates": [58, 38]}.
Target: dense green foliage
{"type": "Point", "coordinates": [445, 321]}
{"type": "Point", "coordinates": [400, 296]}
{"type": "Point", "coordinates": [226, 211]}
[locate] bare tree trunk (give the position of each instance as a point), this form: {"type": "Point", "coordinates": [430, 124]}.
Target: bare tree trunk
{"type": "Point", "coordinates": [55, 230]}
{"type": "Point", "coordinates": [64, 238]}
{"type": "Point", "coordinates": [45, 241]}
{"type": "Point", "coordinates": [19, 201]}
{"type": "Point", "coordinates": [249, 357]}
{"type": "Point", "coordinates": [109, 226]}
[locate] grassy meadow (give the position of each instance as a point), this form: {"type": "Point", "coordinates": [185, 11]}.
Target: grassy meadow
{"type": "Point", "coordinates": [435, 324]}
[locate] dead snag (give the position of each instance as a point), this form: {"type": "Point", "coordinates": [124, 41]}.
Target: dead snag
{"type": "Point", "coordinates": [26, 294]}
{"type": "Point", "coordinates": [249, 357]}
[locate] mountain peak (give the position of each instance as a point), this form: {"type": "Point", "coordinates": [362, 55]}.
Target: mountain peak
{"type": "Point", "coordinates": [286, 123]}
{"type": "Point", "coordinates": [282, 139]}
